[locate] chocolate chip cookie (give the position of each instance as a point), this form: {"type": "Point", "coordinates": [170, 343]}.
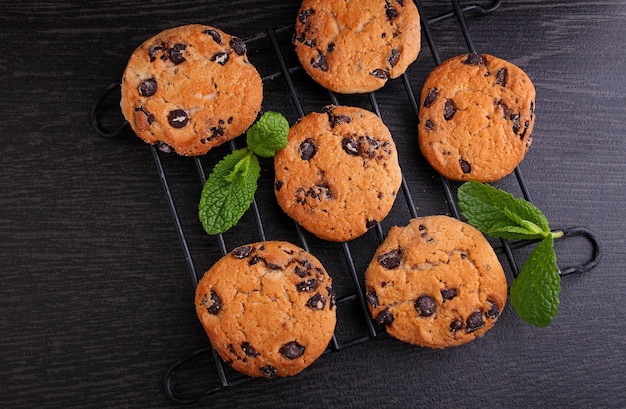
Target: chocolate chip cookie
{"type": "Point", "coordinates": [339, 175]}
{"type": "Point", "coordinates": [190, 88]}
{"type": "Point", "coordinates": [435, 283]}
{"type": "Point", "coordinates": [356, 46]}
{"type": "Point", "coordinates": [268, 308]}
{"type": "Point", "coordinates": [477, 114]}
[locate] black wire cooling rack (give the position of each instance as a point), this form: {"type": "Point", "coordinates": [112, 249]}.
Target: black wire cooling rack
{"type": "Point", "coordinates": [273, 48]}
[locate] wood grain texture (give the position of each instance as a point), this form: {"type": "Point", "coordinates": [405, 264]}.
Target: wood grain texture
{"type": "Point", "coordinates": [96, 298]}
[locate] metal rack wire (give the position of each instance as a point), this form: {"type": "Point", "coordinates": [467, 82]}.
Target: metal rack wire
{"type": "Point", "coordinates": [352, 299]}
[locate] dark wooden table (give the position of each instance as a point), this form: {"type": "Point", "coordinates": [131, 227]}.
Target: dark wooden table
{"type": "Point", "coordinates": [97, 297]}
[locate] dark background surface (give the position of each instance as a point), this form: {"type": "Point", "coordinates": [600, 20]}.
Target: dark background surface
{"type": "Point", "coordinates": [96, 300]}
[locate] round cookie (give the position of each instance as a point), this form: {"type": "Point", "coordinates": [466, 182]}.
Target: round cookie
{"type": "Point", "coordinates": [190, 88]}
{"type": "Point", "coordinates": [355, 47]}
{"type": "Point", "coordinates": [435, 283]}
{"type": "Point", "coordinates": [268, 308]}
{"type": "Point", "coordinates": [476, 117]}
{"type": "Point", "coordinates": [339, 174]}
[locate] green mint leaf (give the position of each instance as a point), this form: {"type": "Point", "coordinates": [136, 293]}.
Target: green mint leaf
{"type": "Point", "coordinates": [268, 134]}
{"type": "Point", "coordinates": [229, 191]}
{"type": "Point", "coordinates": [535, 291]}
{"type": "Point", "coordinates": [500, 214]}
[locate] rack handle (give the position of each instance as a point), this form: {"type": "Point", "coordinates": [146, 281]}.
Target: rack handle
{"type": "Point", "coordinates": [96, 111]}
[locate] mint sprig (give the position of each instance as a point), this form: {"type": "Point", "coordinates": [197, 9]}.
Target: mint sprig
{"type": "Point", "coordinates": [535, 291]}
{"type": "Point", "coordinates": [230, 188]}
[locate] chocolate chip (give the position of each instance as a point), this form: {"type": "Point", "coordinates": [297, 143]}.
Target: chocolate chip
{"type": "Point", "coordinates": [390, 12]}
{"type": "Point", "coordinates": [526, 125]}
{"type": "Point", "coordinates": [278, 185]}
{"type": "Point", "coordinates": [506, 114]}
{"type": "Point", "coordinates": [532, 107]}
{"type": "Point", "coordinates": [370, 224]}
{"type": "Point", "coordinates": [153, 51]}
{"type": "Point", "coordinates": [307, 149]}
{"type": "Point", "coordinates": [292, 350]}
{"type": "Point", "coordinates": [501, 77]}
{"type": "Point", "coordinates": [449, 109]}
{"type": "Point", "coordinates": [456, 325]}
{"type": "Point", "coordinates": [465, 166]}
{"type": "Point", "coordinates": [249, 350]}
{"type": "Point", "coordinates": [149, 116]}
{"type": "Point", "coordinates": [400, 2]}
{"type": "Point", "coordinates": [493, 312]}
{"type": "Point", "coordinates": [178, 118]}
{"type": "Point", "coordinates": [332, 296]}
{"type": "Point", "coordinates": [390, 259]}
{"type": "Point", "coordinates": [304, 15]}
{"type": "Point", "coordinates": [254, 260]}
{"type": "Point", "coordinates": [425, 305]}
{"type": "Point", "coordinates": [216, 131]}
{"type": "Point", "coordinates": [317, 302]}
{"type": "Point", "coordinates": [330, 48]}
{"type": "Point", "coordinates": [238, 46]}
{"type": "Point", "coordinates": [221, 57]}
{"type": "Point", "coordinates": [421, 227]}
{"type": "Point", "coordinates": [148, 87]}
{"type": "Point", "coordinates": [516, 123]}
{"type": "Point", "coordinates": [215, 35]}
{"type": "Point", "coordinates": [339, 119]}
{"type": "Point", "coordinates": [448, 293]}
{"type": "Point", "coordinates": [430, 98]}
{"type": "Point", "coordinates": [393, 57]}
{"type": "Point", "coordinates": [307, 286]}
{"type": "Point", "coordinates": [242, 252]}
{"type": "Point", "coordinates": [163, 147]}
{"type": "Point", "coordinates": [351, 146]}
{"type": "Point", "coordinates": [380, 74]}
{"type": "Point", "coordinates": [429, 125]}
{"type": "Point", "coordinates": [216, 303]}
{"type": "Point", "coordinates": [474, 59]}
{"type": "Point", "coordinates": [384, 317]}
{"type": "Point", "coordinates": [475, 321]}
{"type": "Point", "coordinates": [268, 371]}
{"type": "Point", "coordinates": [372, 298]}
{"type": "Point", "coordinates": [176, 53]}
{"type": "Point", "coordinates": [320, 63]}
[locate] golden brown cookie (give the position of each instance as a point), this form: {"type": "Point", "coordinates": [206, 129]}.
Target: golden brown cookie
{"type": "Point", "coordinates": [476, 117]}
{"type": "Point", "coordinates": [268, 308]}
{"type": "Point", "coordinates": [356, 46]}
{"type": "Point", "coordinates": [339, 174]}
{"type": "Point", "coordinates": [190, 88]}
{"type": "Point", "coordinates": [435, 283]}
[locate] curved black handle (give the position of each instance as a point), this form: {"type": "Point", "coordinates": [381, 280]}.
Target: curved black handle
{"type": "Point", "coordinates": [596, 252]}
{"type": "Point", "coordinates": [96, 111]}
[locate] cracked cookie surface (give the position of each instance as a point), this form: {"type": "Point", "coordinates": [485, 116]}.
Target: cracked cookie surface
{"type": "Point", "coordinates": [268, 308]}
{"type": "Point", "coordinates": [356, 46]}
{"type": "Point", "coordinates": [476, 117]}
{"type": "Point", "coordinates": [339, 175]}
{"type": "Point", "coordinates": [190, 88]}
{"type": "Point", "coordinates": [435, 283]}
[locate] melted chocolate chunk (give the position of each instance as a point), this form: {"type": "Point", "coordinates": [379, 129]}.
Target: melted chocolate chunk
{"type": "Point", "coordinates": [304, 15]}
{"type": "Point", "coordinates": [393, 57]}
{"type": "Point", "coordinates": [475, 321]}
{"type": "Point", "coordinates": [501, 77]}
{"type": "Point", "coordinates": [384, 317]}
{"type": "Point", "coordinates": [178, 118]}
{"type": "Point", "coordinates": [242, 252]}
{"type": "Point", "coordinates": [249, 350]}
{"type": "Point", "coordinates": [380, 74]}
{"type": "Point", "coordinates": [278, 185]}
{"type": "Point", "coordinates": [238, 46]}
{"type": "Point", "coordinates": [292, 350]}
{"type": "Point", "coordinates": [474, 59]}
{"type": "Point", "coordinates": [390, 259]}
{"type": "Point", "coordinates": [425, 305]}
{"type": "Point", "coordinates": [372, 298]}
{"type": "Point", "coordinates": [153, 51]}
{"type": "Point", "coordinates": [339, 119]}
{"type": "Point", "coordinates": [526, 125]}
{"type": "Point", "coordinates": [317, 302]}
{"type": "Point", "coordinates": [430, 98]}
{"type": "Point", "coordinates": [370, 224]}
{"type": "Point", "coordinates": [330, 48]}
{"type": "Point", "coordinates": [176, 53]}
{"type": "Point", "coordinates": [214, 34]}
{"type": "Point", "coordinates": [456, 325]}
{"type": "Point", "coordinates": [493, 312]}
{"type": "Point", "coordinates": [148, 87]}
{"type": "Point", "coordinates": [429, 125]}
{"type": "Point", "coordinates": [268, 371]}
{"type": "Point", "coordinates": [320, 63]}
{"type": "Point", "coordinates": [163, 147]}
{"type": "Point", "coordinates": [351, 146]}
{"type": "Point", "coordinates": [448, 293]}
{"type": "Point", "coordinates": [516, 123]}
{"type": "Point", "coordinates": [307, 149]}
{"type": "Point", "coordinates": [215, 304]}
{"type": "Point", "coordinates": [307, 286]}
{"type": "Point", "coordinates": [449, 109]}
{"type": "Point", "coordinates": [254, 260]}
{"type": "Point", "coordinates": [465, 166]}
{"type": "Point", "coordinates": [506, 114]}
{"type": "Point", "coordinates": [332, 296]}
{"type": "Point", "coordinates": [390, 12]}
{"type": "Point", "coordinates": [221, 57]}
